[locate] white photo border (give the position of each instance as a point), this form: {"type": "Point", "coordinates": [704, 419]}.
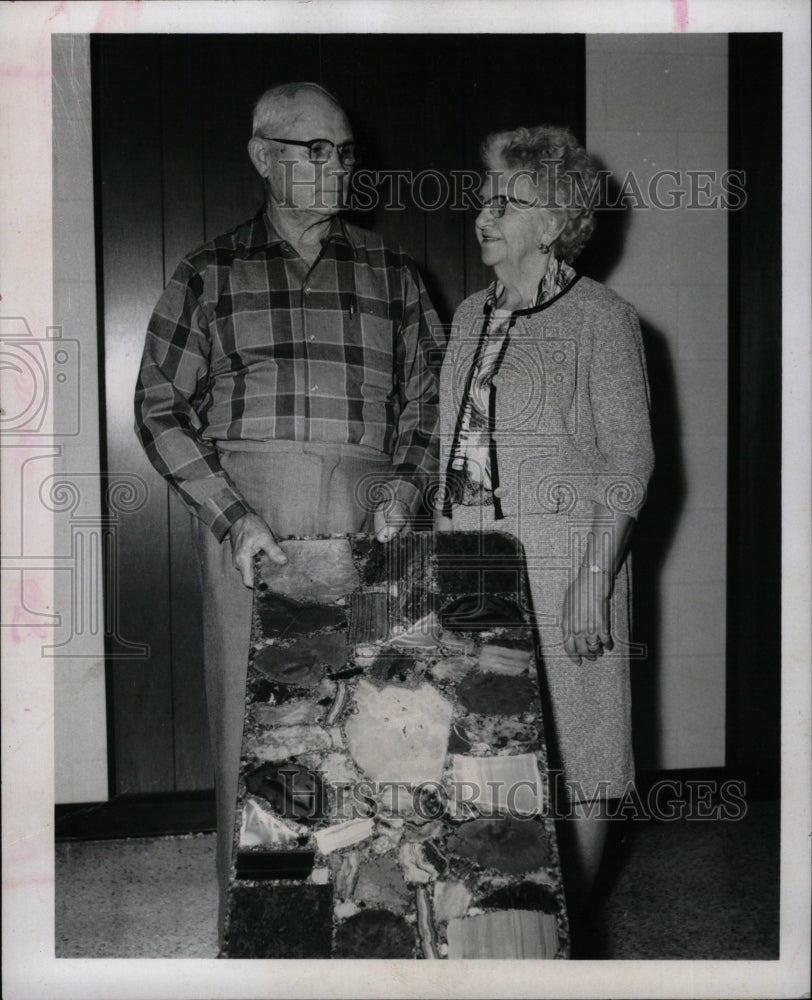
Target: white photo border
{"type": "Point", "coordinates": [29, 967]}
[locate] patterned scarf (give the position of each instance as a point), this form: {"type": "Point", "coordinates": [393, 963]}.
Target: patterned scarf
{"type": "Point", "coordinates": [473, 464]}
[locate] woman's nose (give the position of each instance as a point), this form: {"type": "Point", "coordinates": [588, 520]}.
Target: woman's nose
{"type": "Point", "coordinates": [483, 216]}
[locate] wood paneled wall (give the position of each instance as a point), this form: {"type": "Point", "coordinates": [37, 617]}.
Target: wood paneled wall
{"type": "Point", "coordinates": [171, 124]}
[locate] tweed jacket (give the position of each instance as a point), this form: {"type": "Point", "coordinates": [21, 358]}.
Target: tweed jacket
{"type": "Point", "coordinates": [571, 402]}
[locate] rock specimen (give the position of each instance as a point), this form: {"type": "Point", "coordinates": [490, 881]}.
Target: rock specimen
{"type": "Point", "coordinates": [369, 617]}
{"type": "Point", "coordinates": [503, 660]}
{"type": "Point", "coordinates": [380, 884]}
{"type": "Point", "coordinates": [345, 867]}
{"type": "Point", "coordinates": [481, 611]}
{"type": "Point", "coordinates": [493, 694]}
{"type": "Point", "coordinates": [425, 633]}
{"type": "Point", "coordinates": [505, 934]}
{"type": "Point", "coordinates": [374, 934]}
{"type": "Point", "coordinates": [301, 663]}
{"type": "Point", "coordinates": [514, 846]}
{"type": "Point", "coordinates": [397, 734]}
{"type": "Point", "coordinates": [261, 828]}
{"type": "Point", "coordinates": [281, 742]}
{"type": "Point", "coordinates": [491, 563]}
{"type": "Point", "coordinates": [452, 668]}
{"type": "Point", "coordinates": [332, 838]}
{"type": "Point", "coordinates": [293, 791]}
{"type": "Point", "coordinates": [272, 920]}
{"type": "Point", "coordinates": [524, 896]}
{"type": "Point", "coordinates": [500, 784]}
{"type": "Point", "coordinates": [451, 899]}
{"type": "Point", "coordinates": [283, 618]}
{"type": "Point", "coordinates": [417, 869]}
{"type": "Point", "coordinates": [299, 712]}
{"type": "Point", "coordinates": [393, 666]}
{"type": "Point", "coordinates": [323, 572]}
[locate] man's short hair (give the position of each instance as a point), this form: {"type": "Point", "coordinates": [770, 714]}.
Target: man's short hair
{"type": "Point", "coordinates": [269, 105]}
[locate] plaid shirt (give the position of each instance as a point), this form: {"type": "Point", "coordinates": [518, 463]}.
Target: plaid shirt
{"type": "Point", "coordinates": [249, 342]}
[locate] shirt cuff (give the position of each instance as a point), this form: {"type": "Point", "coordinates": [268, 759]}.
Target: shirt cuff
{"type": "Point", "coordinates": [222, 511]}
{"type": "Point", "coordinates": [408, 493]}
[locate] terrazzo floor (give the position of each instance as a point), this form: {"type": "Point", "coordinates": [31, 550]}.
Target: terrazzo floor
{"type": "Point", "coordinates": [673, 890]}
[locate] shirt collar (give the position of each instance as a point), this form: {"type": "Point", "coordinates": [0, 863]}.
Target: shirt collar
{"type": "Point", "coordinates": [261, 234]}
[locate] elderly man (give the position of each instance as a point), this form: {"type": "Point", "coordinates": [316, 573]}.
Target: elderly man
{"type": "Point", "coordinates": [284, 371]}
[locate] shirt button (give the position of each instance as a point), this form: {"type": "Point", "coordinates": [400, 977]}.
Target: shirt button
{"type": "Point", "coordinates": [306, 289]}
{"type": "Point", "coordinates": [498, 491]}
{"type": "Point", "coordinates": [314, 388]}
{"type": "Point", "coordinates": [312, 336]}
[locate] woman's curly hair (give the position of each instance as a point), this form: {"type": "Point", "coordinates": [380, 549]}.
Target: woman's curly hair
{"type": "Point", "coordinates": [565, 173]}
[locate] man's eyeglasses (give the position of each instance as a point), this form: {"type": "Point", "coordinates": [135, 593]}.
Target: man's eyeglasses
{"type": "Point", "coordinates": [320, 150]}
{"type": "Point", "coordinates": [497, 206]}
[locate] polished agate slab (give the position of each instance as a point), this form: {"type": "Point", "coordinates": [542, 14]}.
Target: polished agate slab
{"type": "Point", "coordinates": [393, 796]}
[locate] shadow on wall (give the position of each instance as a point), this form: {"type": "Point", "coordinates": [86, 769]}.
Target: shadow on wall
{"type": "Point", "coordinates": [654, 536]}
{"type": "Point", "coordinates": [657, 525]}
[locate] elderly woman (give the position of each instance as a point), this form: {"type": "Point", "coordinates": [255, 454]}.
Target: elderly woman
{"type": "Point", "coordinates": [545, 431]}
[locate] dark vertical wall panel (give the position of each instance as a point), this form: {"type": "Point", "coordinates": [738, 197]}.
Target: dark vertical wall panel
{"type": "Point", "coordinates": [444, 82]}
{"type": "Point", "coordinates": [182, 144]}
{"type": "Point", "coordinates": [397, 129]}
{"type": "Point", "coordinates": [172, 126]}
{"type": "Point", "coordinates": [519, 80]}
{"type": "Point", "coordinates": [129, 151]}
{"type": "Point", "coordinates": [230, 77]}
{"type": "Point", "coordinates": [754, 472]}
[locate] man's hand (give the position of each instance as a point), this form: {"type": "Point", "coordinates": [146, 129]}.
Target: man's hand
{"type": "Point", "coordinates": [441, 522]}
{"type": "Point", "coordinates": [391, 517]}
{"type": "Point", "coordinates": [249, 536]}
{"type": "Point", "coordinates": [585, 617]}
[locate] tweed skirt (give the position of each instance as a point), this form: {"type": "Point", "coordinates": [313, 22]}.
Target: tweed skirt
{"type": "Point", "coordinates": [587, 707]}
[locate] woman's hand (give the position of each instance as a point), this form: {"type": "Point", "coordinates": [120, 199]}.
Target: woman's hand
{"type": "Point", "coordinates": [585, 617]}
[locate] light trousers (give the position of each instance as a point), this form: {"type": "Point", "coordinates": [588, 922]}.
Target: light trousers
{"type": "Point", "coordinates": [298, 489]}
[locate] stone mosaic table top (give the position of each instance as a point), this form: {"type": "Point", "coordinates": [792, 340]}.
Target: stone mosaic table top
{"type": "Point", "coordinates": [392, 797]}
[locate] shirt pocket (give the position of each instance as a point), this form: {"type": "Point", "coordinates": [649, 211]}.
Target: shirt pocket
{"type": "Point", "coordinates": [371, 345]}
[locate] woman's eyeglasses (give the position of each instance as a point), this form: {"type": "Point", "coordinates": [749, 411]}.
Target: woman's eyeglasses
{"type": "Point", "coordinates": [497, 206]}
{"type": "Point", "coordinates": [320, 150]}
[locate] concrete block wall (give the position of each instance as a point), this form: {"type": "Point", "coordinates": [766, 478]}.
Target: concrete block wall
{"type": "Point", "coordinates": [659, 102]}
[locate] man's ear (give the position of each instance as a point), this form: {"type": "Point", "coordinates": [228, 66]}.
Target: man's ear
{"type": "Point", "coordinates": [260, 156]}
